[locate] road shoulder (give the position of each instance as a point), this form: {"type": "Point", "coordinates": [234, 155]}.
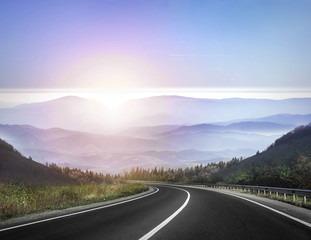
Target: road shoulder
{"type": "Point", "coordinates": [292, 210]}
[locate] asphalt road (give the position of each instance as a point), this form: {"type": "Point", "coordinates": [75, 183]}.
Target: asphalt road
{"type": "Point", "coordinates": [205, 215]}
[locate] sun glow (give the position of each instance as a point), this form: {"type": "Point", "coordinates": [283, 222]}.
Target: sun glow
{"type": "Point", "coordinates": [112, 101]}
{"type": "Point", "coordinates": [110, 72]}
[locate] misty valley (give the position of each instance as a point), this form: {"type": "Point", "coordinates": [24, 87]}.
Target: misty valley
{"type": "Point", "coordinates": [74, 132]}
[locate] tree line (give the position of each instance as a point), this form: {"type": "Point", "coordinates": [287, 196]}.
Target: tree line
{"type": "Point", "coordinates": [200, 173]}
{"type": "Point", "coordinates": [83, 176]}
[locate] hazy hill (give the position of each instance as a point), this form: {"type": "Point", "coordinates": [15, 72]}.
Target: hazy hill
{"type": "Point", "coordinates": [191, 111]}
{"type": "Point", "coordinates": [245, 127]}
{"type": "Point", "coordinates": [200, 157]}
{"type": "Point", "coordinates": [148, 132]}
{"type": "Point", "coordinates": [16, 168]}
{"type": "Point", "coordinates": [88, 143]}
{"type": "Point", "coordinates": [217, 141]}
{"type": "Point", "coordinates": [260, 127]}
{"type": "Point", "coordinates": [251, 135]}
{"type": "Point", "coordinates": [256, 135]}
{"type": "Point", "coordinates": [155, 120]}
{"type": "Point", "coordinates": [79, 114]}
{"type": "Point", "coordinates": [287, 119]}
{"type": "Point", "coordinates": [72, 113]}
{"type": "Point", "coordinates": [25, 137]}
{"type": "Point", "coordinates": [110, 153]}
{"type": "Point", "coordinates": [168, 145]}
{"type": "Point", "coordinates": [286, 163]}
{"type": "Point", "coordinates": [83, 150]}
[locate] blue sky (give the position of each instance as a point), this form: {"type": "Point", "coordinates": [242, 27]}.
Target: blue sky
{"type": "Point", "coordinates": [130, 44]}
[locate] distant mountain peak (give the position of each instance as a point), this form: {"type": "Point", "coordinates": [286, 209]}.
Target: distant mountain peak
{"type": "Point", "coordinates": [69, 98]}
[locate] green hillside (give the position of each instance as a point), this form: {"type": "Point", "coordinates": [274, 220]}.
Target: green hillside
{"type": "Point", "coordinates": [16, 168]}
{"type": "Point", "coordinates": [286, 163]}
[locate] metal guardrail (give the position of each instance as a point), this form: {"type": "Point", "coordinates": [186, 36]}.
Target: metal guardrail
{"type": "Point", "coordinates": [265, 190]}
{"type": "Point", "coordinates": [262, 189]}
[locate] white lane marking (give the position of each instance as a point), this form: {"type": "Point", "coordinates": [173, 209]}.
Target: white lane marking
{"type": "Point", "coordinates": [77, 213]}
{"type": "Point", "coordinates": [166, 221]}
{"type": "Point", "coordinates": [272, 209]}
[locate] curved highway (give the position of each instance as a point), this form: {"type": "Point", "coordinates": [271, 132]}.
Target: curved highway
{"type": "Point", "coordinates": [171, 213]}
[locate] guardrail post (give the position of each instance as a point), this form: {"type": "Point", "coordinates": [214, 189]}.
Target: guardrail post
{"type": "Point", "coordinates": [273, 192]}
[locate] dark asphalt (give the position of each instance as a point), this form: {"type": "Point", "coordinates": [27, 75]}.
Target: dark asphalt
{"type": "Point", "coordinates": [212, 215]}
{"type": "Point", "coordinates": [208, 215]}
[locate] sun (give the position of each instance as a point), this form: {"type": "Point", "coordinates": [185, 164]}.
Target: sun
{"type": "Point", "coordinates": [112, 100]}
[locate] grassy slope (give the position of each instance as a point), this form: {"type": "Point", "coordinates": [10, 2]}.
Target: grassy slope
{"type": "Point", "coordinates": [17, 200]}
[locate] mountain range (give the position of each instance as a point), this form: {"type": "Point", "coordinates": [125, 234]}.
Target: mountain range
{"type": "Point", "coordinates": [79, 114]}
{"type": "Point", "coordinates": [167, 131]}
{"type": "Point", "coordinates": [71, 113]}
{"type": "Point", "coordinates": [190, 111]}
{"type": "Point", "coordinates": [168, 146]}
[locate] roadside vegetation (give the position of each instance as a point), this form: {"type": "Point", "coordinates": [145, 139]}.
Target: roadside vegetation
{"type": "Point", "coordinates": [20, 199]}
{"type": "Point", "coordinates": [27, 186]}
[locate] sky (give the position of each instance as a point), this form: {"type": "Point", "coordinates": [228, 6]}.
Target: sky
{"type": "Point", "coordinates": [155, 46]}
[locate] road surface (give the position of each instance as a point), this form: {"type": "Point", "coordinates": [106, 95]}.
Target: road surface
{"type": "Point", "coordinates": [170, 213]}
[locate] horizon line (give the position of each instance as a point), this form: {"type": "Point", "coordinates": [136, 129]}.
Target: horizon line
{"type": "Point", "coordinates": [115, 97]}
